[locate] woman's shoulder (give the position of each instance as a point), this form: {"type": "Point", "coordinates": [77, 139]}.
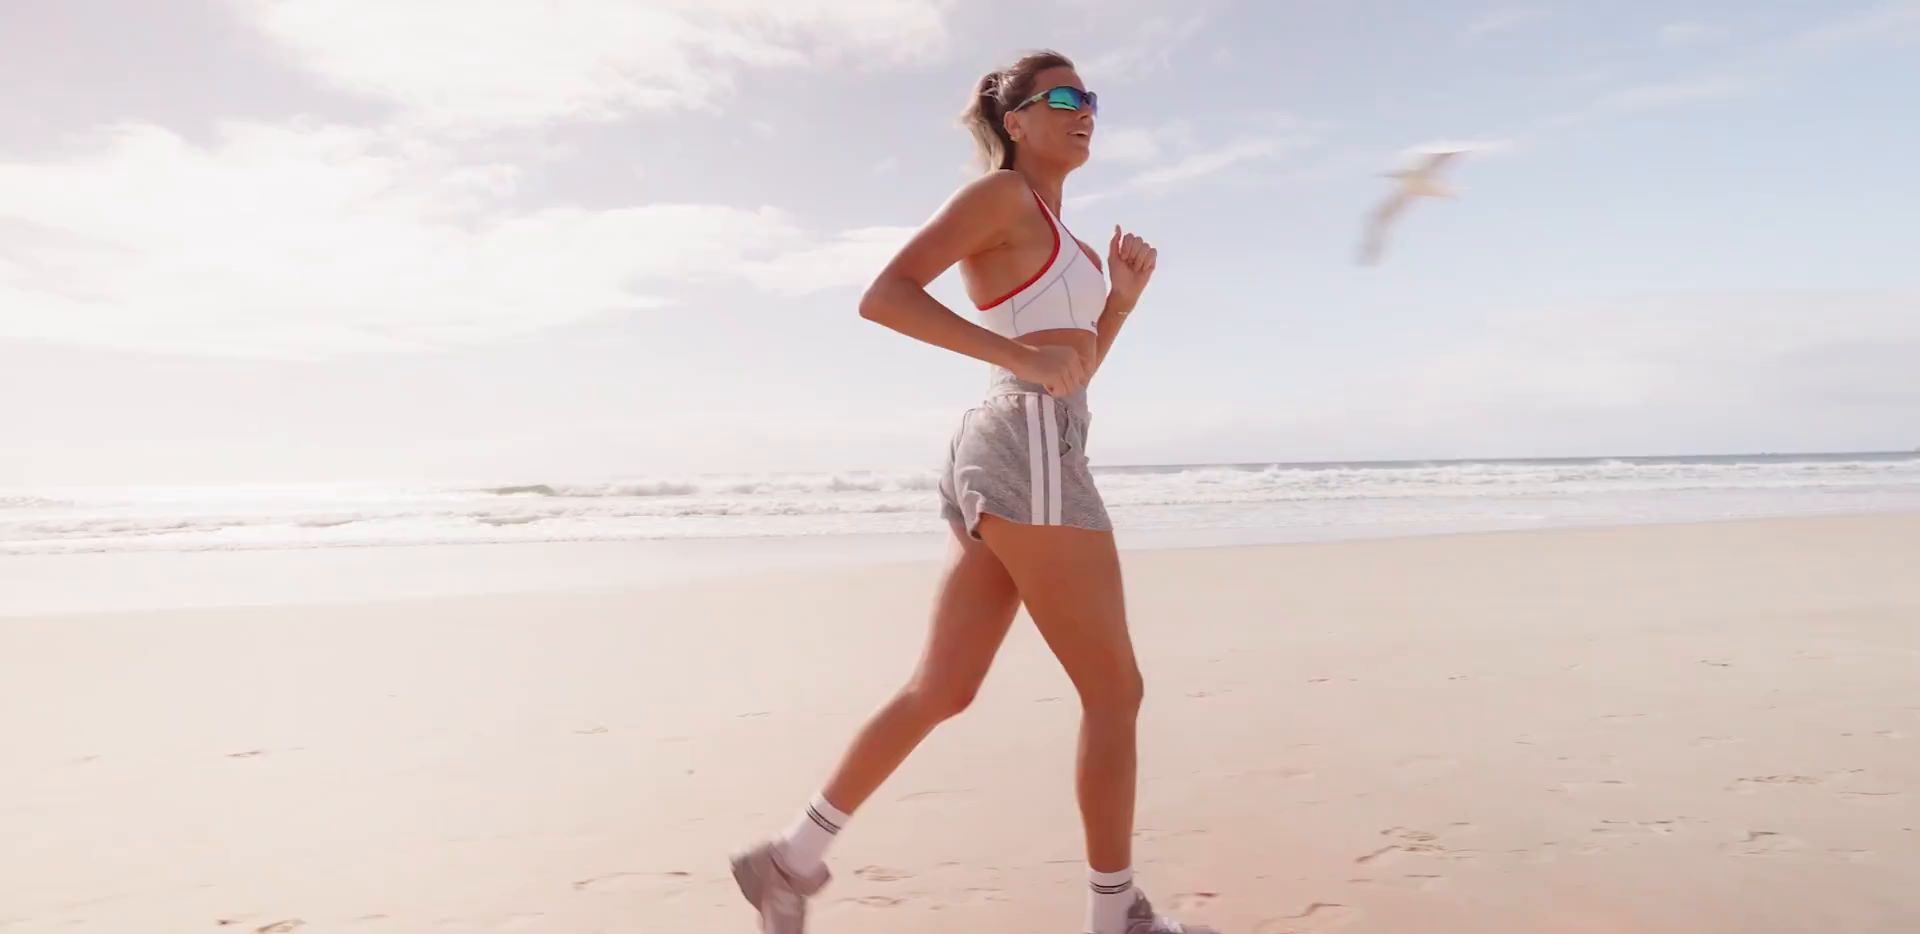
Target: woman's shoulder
{"type": "Point", "coordinates": [999, 190]}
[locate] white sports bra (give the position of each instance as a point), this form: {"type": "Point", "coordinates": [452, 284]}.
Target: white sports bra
{"type": "Point", "coordinates": [1067, 292]}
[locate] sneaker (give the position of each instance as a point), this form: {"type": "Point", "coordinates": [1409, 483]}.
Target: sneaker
{"type": "Point", "coordinates": [779, 896]}
{"type": "Point", "coordinates": [1142, 920]}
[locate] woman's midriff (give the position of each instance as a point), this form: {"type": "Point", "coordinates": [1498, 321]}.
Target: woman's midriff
{"type": "Point", "coordinates": [1083, 342]}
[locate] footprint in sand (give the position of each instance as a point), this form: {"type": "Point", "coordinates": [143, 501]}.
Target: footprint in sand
{"type": "Point", "coordinates": [1191, 901]}
{"type": "Point", "coordinates": [1415, 842]}
{"type": "Point", "coordinates": [592, 731]}
{"type": "Point", "coordinates": [1424, 881]}
{"type": "Point", "coordinates": [934, 793]}
{"type": "Point", "coordinates": [249, 754]}
{"type": "Point", "coordinates": [1318, 916]}
{"type": "Point", "coordinates": [281, 927]}
{"type": "Point", "coordinates": [1881, 734]}
{"type": "Point", "coordinates": [1660, 827]}
{"type": "Point", "coordinates": [1629, 833]}
{"type": "Point", "coordinates": [875, 901]}
{"type": "Point", "coordinates": [882, 874]}
{"type": "Point", "coordinates": [1746, 784]}
{"type": "Point", "coordinates": [1871, 797]}
{"type": "Point", "coordinates": [1575, 788]}
{"type": "Point", "coordinates": [1764, 843]}
{"type": "Point", "coordinates": [1753, 783]}
{"type": "Point", "coordinates": [1277, 772]}
{"type": "Point", "coordinates": [652, 883]}
{"type": "Point", "coordinates": [1155, 833]}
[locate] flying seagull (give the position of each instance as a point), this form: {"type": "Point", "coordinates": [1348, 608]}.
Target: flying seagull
{"type": "Point", "coordinates": [1420, 181]}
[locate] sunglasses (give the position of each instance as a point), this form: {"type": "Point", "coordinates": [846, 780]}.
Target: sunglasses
{"type": "Point", "coordinates": [1066, 97]}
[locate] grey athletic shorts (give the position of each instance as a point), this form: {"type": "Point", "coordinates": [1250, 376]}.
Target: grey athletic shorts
{"type": "Point", "coordinates": [1021, 455]}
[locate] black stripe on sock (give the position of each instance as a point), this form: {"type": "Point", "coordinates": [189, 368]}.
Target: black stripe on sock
{"type": "Point", "coordinates": [826, 825]}
{"type": "Point", "coordinates": [1111, 889]}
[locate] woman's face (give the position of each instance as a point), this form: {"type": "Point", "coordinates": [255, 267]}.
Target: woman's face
{"type": "Point", "coordinates": [1046, 130]}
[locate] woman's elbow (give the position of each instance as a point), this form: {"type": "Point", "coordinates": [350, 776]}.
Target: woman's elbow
{"type": "Point", "coordinates": [873, 302]}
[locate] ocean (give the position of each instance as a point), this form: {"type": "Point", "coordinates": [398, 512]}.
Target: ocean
{"type": "Point", "coordinates": [1193, 504]}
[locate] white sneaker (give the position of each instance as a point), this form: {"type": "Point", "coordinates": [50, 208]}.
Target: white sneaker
{"type": "Point", "coordinates": [779, 896]}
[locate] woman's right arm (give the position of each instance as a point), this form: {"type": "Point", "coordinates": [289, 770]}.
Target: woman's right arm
{"type": "Point", "coordinates": [975, 219]}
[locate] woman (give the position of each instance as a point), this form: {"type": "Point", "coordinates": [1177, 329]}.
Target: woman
{"type": "Point", "coordinates": [1028, 524]}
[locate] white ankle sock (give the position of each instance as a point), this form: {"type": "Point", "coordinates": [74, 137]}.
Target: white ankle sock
{"type": "Point", "coordinates": [803, 849]}
{"type": "Point", "coordinates": [1109, 896]}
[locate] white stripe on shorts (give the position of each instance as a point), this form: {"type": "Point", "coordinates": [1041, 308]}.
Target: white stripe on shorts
{"type": "Point", "coordinates": [1050, 433]}
{"type": "Point", "coordinates": [1037, 477]}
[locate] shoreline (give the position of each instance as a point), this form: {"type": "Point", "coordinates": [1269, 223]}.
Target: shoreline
{"type": "Point", "coordinates": [47, 584]}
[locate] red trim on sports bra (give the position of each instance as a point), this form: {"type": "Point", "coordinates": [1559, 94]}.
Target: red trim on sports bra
{"type": "Point", "coordinates": [1051, 225]}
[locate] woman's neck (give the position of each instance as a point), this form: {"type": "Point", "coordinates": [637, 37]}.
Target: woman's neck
{"type": "Point", "coordinates": [1049, 184]}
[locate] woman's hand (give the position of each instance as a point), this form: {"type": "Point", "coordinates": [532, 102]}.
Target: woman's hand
{"type": "Point", "coordinates": [1130, 262]}
{"type": "Point", "coordinates": [1058, 369]}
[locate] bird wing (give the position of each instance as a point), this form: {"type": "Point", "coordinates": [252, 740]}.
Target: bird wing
{"type": "Point", "coordinates": [1437, 160]}
{"type": "Point", "coordinates": [1377, 224]}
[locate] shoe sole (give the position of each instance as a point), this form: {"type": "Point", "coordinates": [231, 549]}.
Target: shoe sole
{"type": "Point", "coordinates": [744, 878]}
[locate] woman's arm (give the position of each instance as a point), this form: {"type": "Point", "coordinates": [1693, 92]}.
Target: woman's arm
{"type": "Point", "coordinates": [1111, 318]}
{"type": "Point", "coordinates": [976, 218]}
{"type": "Point", "coordinates": [1132, 261]}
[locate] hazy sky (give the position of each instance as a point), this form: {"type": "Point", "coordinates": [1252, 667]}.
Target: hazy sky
{"type": "Point", "coordinates": [314, 239]}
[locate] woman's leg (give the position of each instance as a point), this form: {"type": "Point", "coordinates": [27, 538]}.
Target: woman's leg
{"type": "Point", "coordinates": [1070, 580]}
{"type": "Point", "coordinates": [973, 609]}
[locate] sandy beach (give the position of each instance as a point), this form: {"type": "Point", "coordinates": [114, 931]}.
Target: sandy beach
{"type": "Point", "coordinates": [1691, 728]}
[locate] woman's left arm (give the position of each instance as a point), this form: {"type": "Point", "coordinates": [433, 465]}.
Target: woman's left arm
{"type": "Point", "coordinates": [1130, 262]}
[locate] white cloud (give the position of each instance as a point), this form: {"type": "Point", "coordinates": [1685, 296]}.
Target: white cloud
{"type": "Point", "coordinates": [1131, 144]}
{"type": "Point", "coordinates": [1500, 21]}
{"type": "Point", "coordinates": [313, 239]}
{"type": "Point", "coordinates": [1651, 97]}
{"type": "Point", "coordinates": [509, 63]}
{"type": "Point", "coordinates": [1656, 96]}
{"type": "Point", "coordinates": [848, 258]}
{"type": "Point", "coordinates": [1146, 51]}
{"type": "Point", "coordinates": [1210, 161]}
{"type": "Point", "coordinates": [1198, 163]}
{"type": "Point", "coordinates": [1647, 374]}
{"type": "Point", "coordinates": [1897, 21]}
{"type": "Point", "coordinates": [1690, 34]}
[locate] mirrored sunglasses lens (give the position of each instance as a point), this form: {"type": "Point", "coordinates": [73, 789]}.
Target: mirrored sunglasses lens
{"type": "Point", "coordinates": [1064, 98]}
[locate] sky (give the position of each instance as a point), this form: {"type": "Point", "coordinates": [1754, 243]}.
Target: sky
{"type": "Point", "coordinates": [313, 240]}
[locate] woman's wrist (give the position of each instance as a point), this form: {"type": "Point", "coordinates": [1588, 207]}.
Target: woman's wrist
{"type": "Point", "coordinates": [1013, 355]}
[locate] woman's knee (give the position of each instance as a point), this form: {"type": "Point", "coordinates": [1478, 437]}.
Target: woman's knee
{"type": "Point", "coordinates": [940, 697]}
{"type": "Point", "coordinates": [1115, 695]}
